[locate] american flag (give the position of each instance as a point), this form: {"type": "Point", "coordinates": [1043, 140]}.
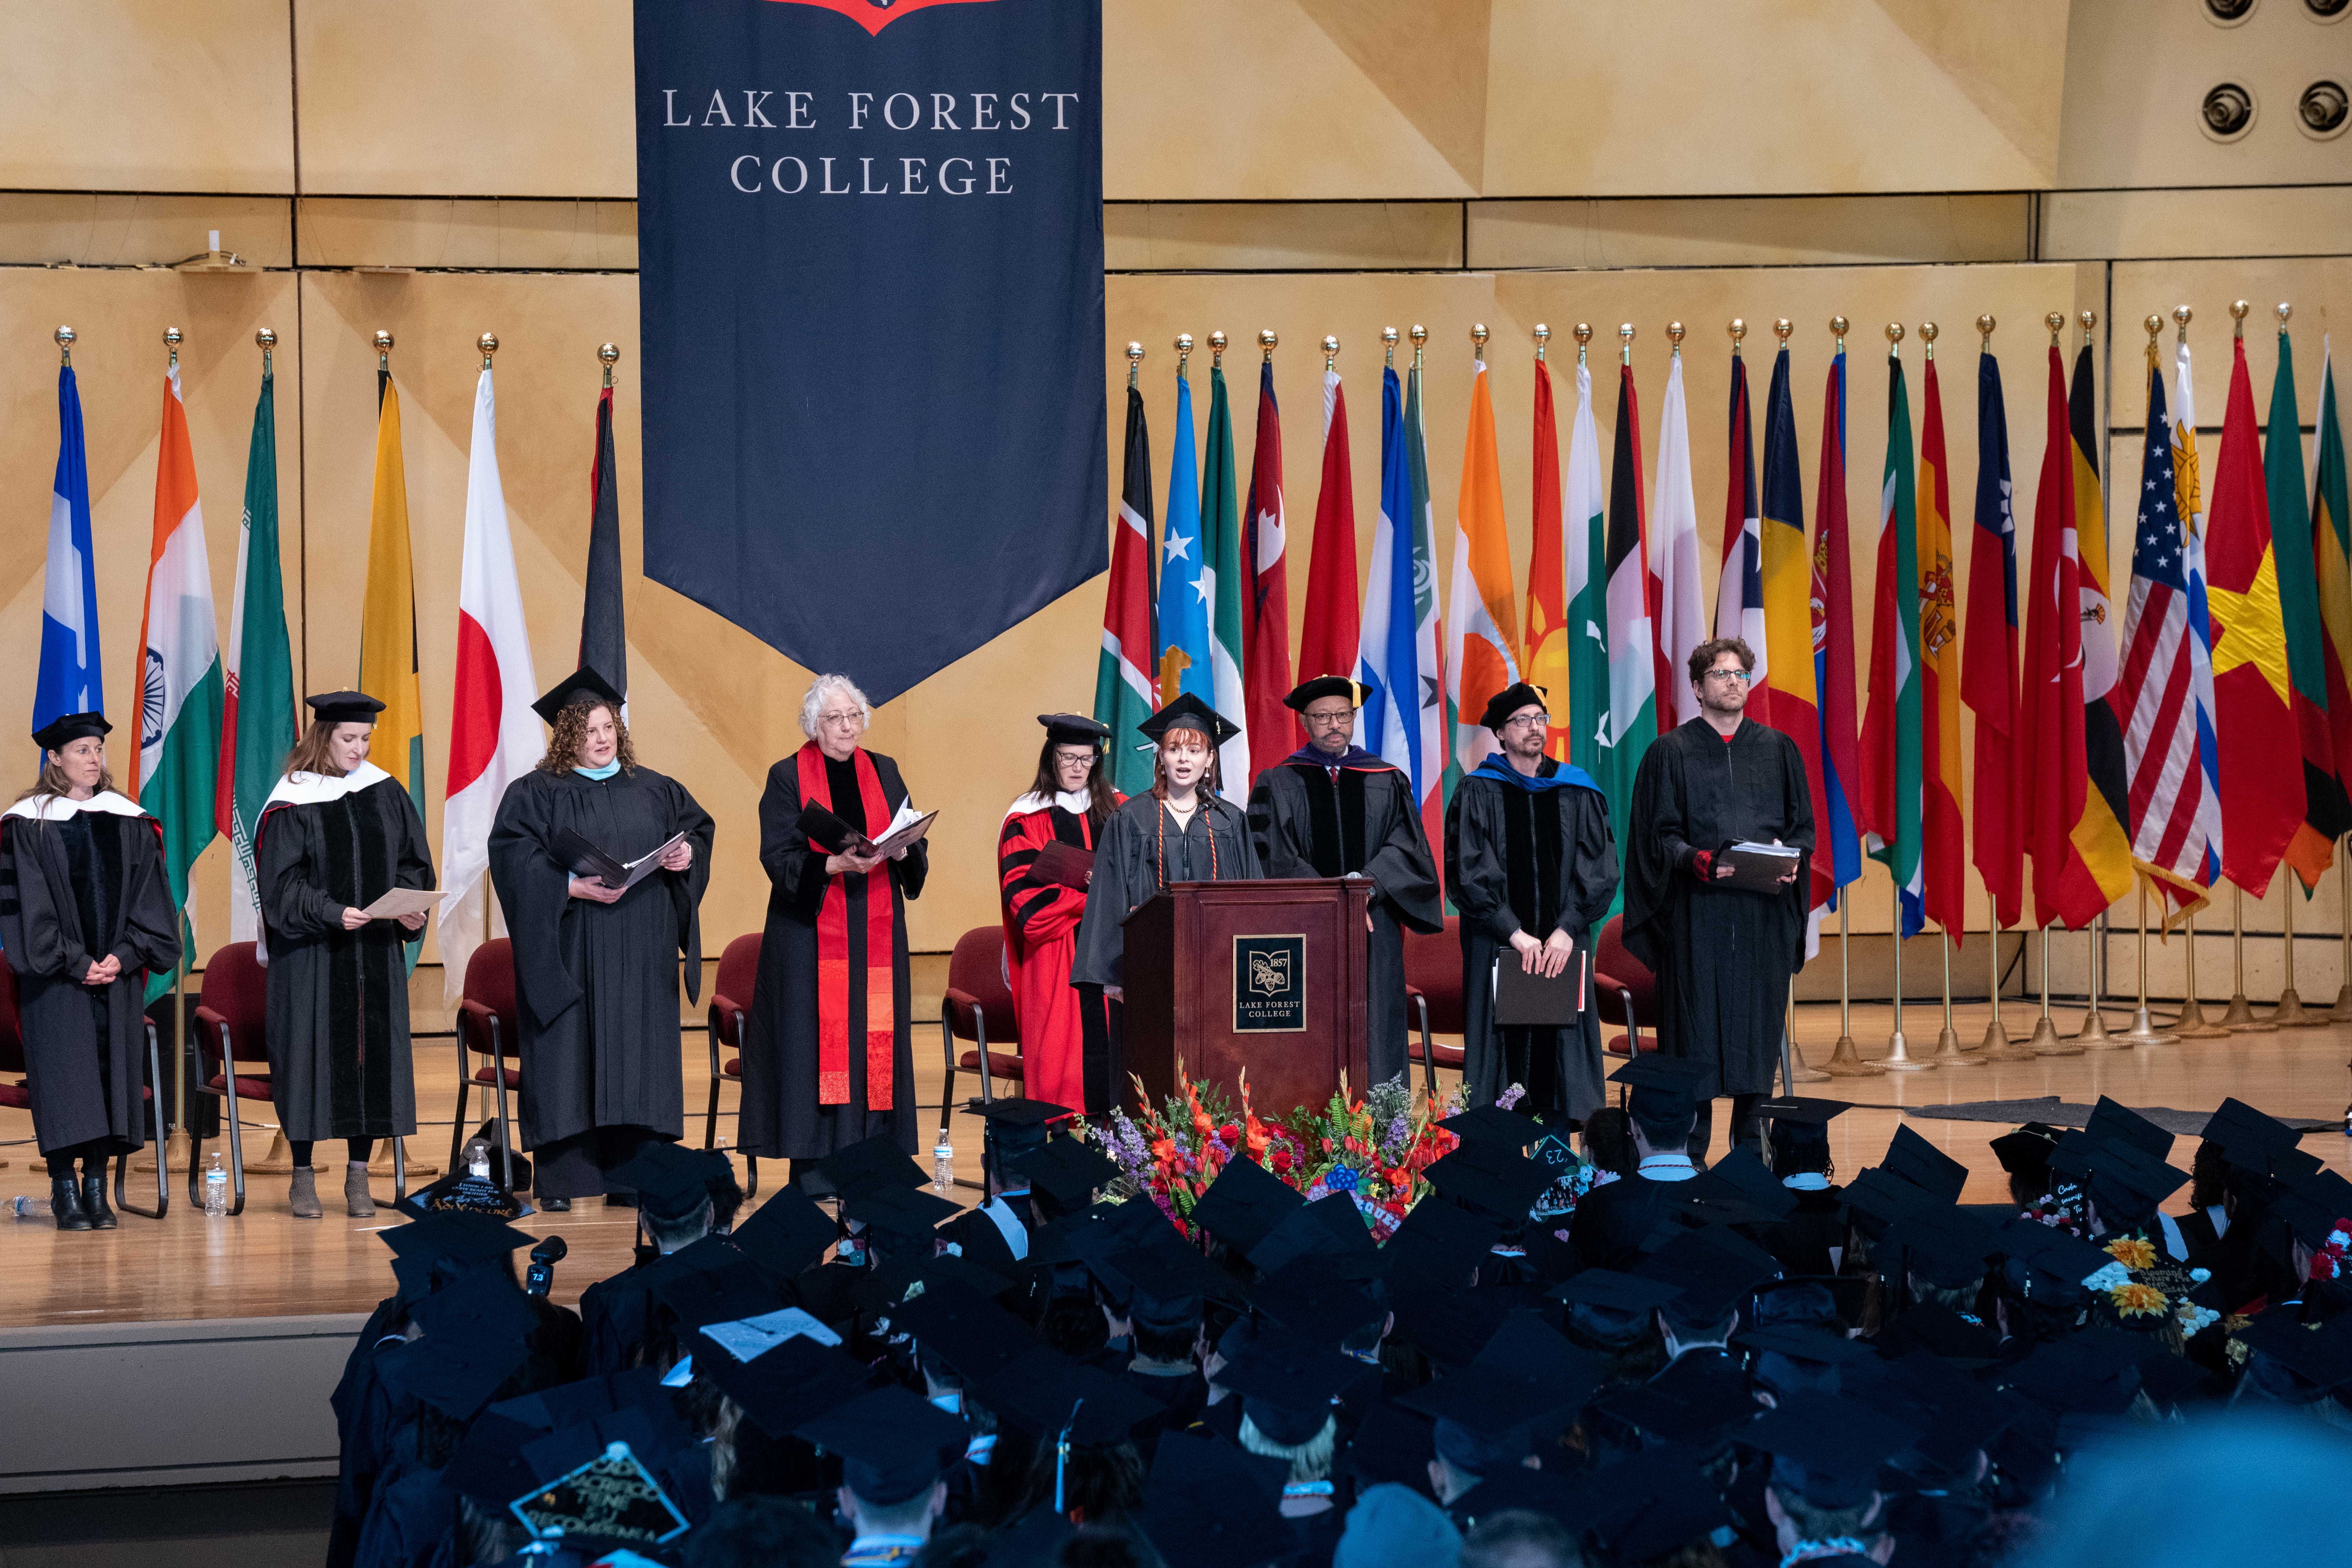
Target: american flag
{"type": "Point", "coordinates": [2164, 697]}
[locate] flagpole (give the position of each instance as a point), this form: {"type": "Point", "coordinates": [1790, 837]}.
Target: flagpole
{"type": "Point", "coordinates": [2192, 1023]}
{"type": "Point", "coordinates": [2290, 1013]}
{"type": "Point", "coordinates": [2144, 1031]}
{"type": "Point", "coordinates": [1998, 1046]}
{"type": "Point", "coordinates": [2240, 1018]}
{"type": "Point", "coordinates": [1845, 1061]}
{"type": "Point", "coordinates": [2344, 882]}
{"type": "Point", "coordinates": [2046, 1041]}
{"type": "Point", "coordinates": [2094, 1035]}
{"type": "Point", "coordinates": [1948, 1044]}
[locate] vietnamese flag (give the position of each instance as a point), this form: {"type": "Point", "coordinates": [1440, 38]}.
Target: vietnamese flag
{"type": "Point", "coordinates": [1989, 656]}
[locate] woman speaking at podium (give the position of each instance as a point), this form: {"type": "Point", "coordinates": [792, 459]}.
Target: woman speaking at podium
{"type": "Point", "coordinates": [1181, 830]}
{"type": "Point", "coordinates": [596, 965]}
{"type": "Point", "coordinates": [86, 915]}
{"type": "Point", "coordinates": [336, 835]}
{"type": "Point", "coordinates": [829, 1061]}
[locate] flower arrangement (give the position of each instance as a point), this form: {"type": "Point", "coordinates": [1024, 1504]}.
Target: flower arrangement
{"type": "Point", "coordinates": [1170, 1153]}
{"type": "Point", "coordinates": [1374, 1148]}
{"type": "Point", "coordinates": [2328, 1262]}
{"type": "Point", "coordinates": [2141, 1285]}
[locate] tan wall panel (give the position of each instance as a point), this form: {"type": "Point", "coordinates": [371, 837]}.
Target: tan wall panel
{"type": "Point", "coordinates": [1280, 237]}
{"type": "Point", "coordinates": [1684, 98]}
{"type": "Point", "coordinates": [2320, 291]}
{"type": "Point", "coordinates": [2137, 73]}
{"type": "Point", "coordinates": [549, 236]}
{"type": "Point", "coordinates": [528, 97]}
{"type": "Point", "coordinates": [1786, 231]}
{"type": "Point", "coordinates": [98, 230]}
{"type": "Point", "coordinates": [2294, 220]}
{"type": "Point", "coordinates": [147, 95]}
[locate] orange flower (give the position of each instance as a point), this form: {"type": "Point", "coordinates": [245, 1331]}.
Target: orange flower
{"type": "Point", "coordinates": [2132, 1252]}
{"type": "Point", "coordinates": [2139, 1300]}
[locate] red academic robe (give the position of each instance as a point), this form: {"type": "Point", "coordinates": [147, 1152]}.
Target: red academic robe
{"type": "Point", "coordinates": [1041, 937]}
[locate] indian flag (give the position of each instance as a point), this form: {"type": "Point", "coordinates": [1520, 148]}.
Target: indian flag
{"type": "Point", "coordinates": [179, 680]}
{"type": "Point", "coordinates": [1482, 657]}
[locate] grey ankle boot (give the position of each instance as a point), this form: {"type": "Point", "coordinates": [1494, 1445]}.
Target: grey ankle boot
{"type": "Point", "coordinates": [303, 1197]}
{"type": "Point", "coordinates": [356, 1196]}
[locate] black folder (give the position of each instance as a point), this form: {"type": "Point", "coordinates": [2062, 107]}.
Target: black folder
{"type": "Point", "coordinates": [1530, 1001]}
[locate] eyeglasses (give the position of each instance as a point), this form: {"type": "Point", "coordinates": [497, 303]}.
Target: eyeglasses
{"type": "Point", "coordinates": [1070, 755]}
{"type": "Point", "coordinates": [849, 720]}
{"type": "Point", "coordinates": [1740, 676]}
{"type": "Point", "coordinates": [1522, 720]}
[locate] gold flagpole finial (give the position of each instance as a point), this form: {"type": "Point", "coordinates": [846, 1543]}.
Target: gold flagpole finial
{"type": "Point", "coordinates": [1893, 340]}
{"type": "Point", "coordinates": [382, 341]}
{"type": "Point", "coordinates": [1330, 353]}
{"type": "Point", "coordinates": [1419, 336]}
{"type": "Point", "coordinates": [1927, 332]}
{"type": "Point", "coordinates": [1838, 325]}
{"type": "Point", "coordinates": [1738, 330]}
{"type": "Point", "coordinates": [1134, 363]}
{"type": "Point", "coordinates": [2089, 319]}
{"type": "Point", "coordinates": [1266, 340]}
{"type": "Point", "coordinates": [1985, 324]}
{"type": "Point", "coordinates": [608, 355]}
{"type": "Point", "coordinates": [2238, 308]}
{"type": "Point", "coordinates": [2154, 325]}
{"type": "Point", "coordinates": [1217, 351]}
{"type": "Point", "coordinates": [1675, 336]}
{"type": "Point", "coordinates": [2181, 316]}
{"type": "Point", "coordinates": [65, 338]}
{"type": "Point", "coordinates": [2285, 310]}
{"type": "Point", "coordinates": [1183, 355]}
{"type": "Point", "coordinates": [2056, 321]}
{"type": "Point", "coordinates": [1543, 336]}
{"type": "Point", "coordinates": [265, 339]}
{"type": "Point", "coordinates": [1389, 340]}
{"type": "Point", "coordinates": [172, 340]}
{"type": "Point", "coordinates": [1584, 336]}
{"type": "Point", "coordinates": [1478, 341]}
{"type": "Point", "coordinates": [1625, 342]}
{"type": "Point", "coordinates": [488, 343]}
{"type": "Point", "coordinates": [1781, 328]}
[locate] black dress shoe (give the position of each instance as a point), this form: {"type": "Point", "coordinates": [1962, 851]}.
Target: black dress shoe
{"type": "Point", "coordinates": [65, 1201]}
{"type": "Point", "coordinates": [555, 1206]}
{"type": "Point", "coordinates": [93, 1205]}
{"type": "Point", "coordinates": [620, 1200]}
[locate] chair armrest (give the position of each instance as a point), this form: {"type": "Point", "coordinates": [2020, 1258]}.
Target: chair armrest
{"type": "Point", "coordinates": [207, 1025]}
{"type": "Point", "coordinates": [963, 1010]}
{"type": "Point", "coordinates": [1603, 981]}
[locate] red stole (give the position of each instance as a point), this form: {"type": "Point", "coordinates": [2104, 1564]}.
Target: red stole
{"type": "Point", "coordinates": [833, 976]}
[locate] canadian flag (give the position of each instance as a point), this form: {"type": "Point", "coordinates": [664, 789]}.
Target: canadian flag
{"type": "Point", "coordinates": [494, 736]}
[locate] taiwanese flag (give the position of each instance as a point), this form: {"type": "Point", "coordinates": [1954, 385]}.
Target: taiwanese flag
{"type": "Point", "coordinates": [1275, 731]}
{"type": "Point", "coordinates": [1989, 656]}
{"type": "Point", "coordinates": [1327, 642]}
{"type": "Point", "coordinates": [1833, 641]}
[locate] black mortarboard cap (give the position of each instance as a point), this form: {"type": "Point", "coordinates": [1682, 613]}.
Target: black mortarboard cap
{"type": "Point", "coordinates": [908, 1213]}
{"type": "Point", "coordinates": [1494, 1401]}
{"type": "Point", "coordinates": [1042, 1392]}
{"type": "Point", "coordinates": [1804, 1344]}
{"type": "Point", "coordinates": [2319, 1354]}
{"type": "Point", "coordinates": [2112, 1118]}
{"type": "Point", "coordinates": [1946, 1246]}
{"type": "Point", "coordinates": [875, 1162]}
{"type": "Point", "coordinates": [1245, 1204]}
{"type": "Point", "coordinates": [2027, 1149]}
{"type": "Point", "coordinates": [1955, 1413]}
{"type": "Point", "coordinates": [787, 1234]}
{"type": "Point", "coordinates": [1066, 1171]}
{"type": "Point", "coordinates": [343, 708]}
{"type": "Point", "coordinates": [1020, 1123]}
{"type": "Point", "coordinates": [785, 1385]}
{"type": "Point", "coordinates": [1189, 712]}
{"type": "Point", "coordinates": [892, 1445]}
{"type": "Point", "coordinates": [1074, 730]}
{"type": "Point", "coordinates": [2050, 1251]}
{"type": "Point", "coordinates": [483, 1303]}
{"type": "Point", "coordinates": [1803, 1111]}
{"type": "Point", "coordinates": [1163, 1287]}
{"type": "Point", "coordinates": [61, 732]}
{"type": "Point", "coordinates": [1683, 1405]}
{"type": "Point", "coordinates": [1330, 1226]}
{"type": "Point", "coordinates": [1828, 1449]}
{"type": "Point", "coordinates": [2126, 1181]}
{"type": "Point", "coordinates": [740, 1290]}
{"type": "Point", "coordinates": [2311, 1207]}
{"type": "Point", "coordinates": [2092, 1371]}
{"type": "Point", "coordinates": [1501, 1188]}
{"type": "Point", "coordinates": [1530, 1349]}
{"type": "Point", "coordinates": [1665, 1089]}
{"type": "Point", "coordinates": [1509, 700]}
{"type": "Point", "coordinates": [1659, 1506]}
{"type": "Point", "coordinates": [1323, 686]}
{"type": "Point", "coordinates": [1287, 1382]}
{"type": "Point", "coordinates": [889, 1287]}
{"type": "Point", "coordinates": [1616, 1292]}
{"type": "Point", "coordinates": [1443, 1241]}
{"type": "Point", "coordinates": [457, 1371]}
{"type": "Point", "coordinates": [1492, 1124]}
{"type": "Point", "coordinates": [1741, 1176]}
{"type": "Point", "coordinates": [606, 1495]}
{"type": "Point", "coordinates": [460, 1238]}
{"type": "Point", "coordinates": [1880, 1192]}
{"type": "Point", "coordinates": [1925, 1166]}
{"type": "Point", "coordinates": [1801, 1299]}
{"type": "Point", "coordinates": [1307, 1297]}
{"type": "Point", "coordinates": [1210, 1505]}
{"type": "Point", "coordinates": [581, 682]}
{"type": "Point", "coordinates": [488, 1467]}
{"type": "Point", "coordinates": [671, 1180]}
{"type": "Point", "coordinates": [966, 1331]}
{"type": "Point", "coordinates": [2244, 1132]}
{"type": "Point", "coordinates": [1711, 1275]}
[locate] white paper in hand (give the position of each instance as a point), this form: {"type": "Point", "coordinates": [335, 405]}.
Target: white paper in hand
{"type": "Point", "coordinates": [747, 1339]}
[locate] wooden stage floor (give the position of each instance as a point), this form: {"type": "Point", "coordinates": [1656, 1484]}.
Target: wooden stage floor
{"type": "Point", "coordinates": [265, 1263]}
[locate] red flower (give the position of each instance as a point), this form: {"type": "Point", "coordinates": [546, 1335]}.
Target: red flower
{"type": "Point", "coordinates": [1281, 1161]}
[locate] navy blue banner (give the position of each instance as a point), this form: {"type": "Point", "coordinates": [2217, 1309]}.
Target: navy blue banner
{"type": "Point", "coordinates": [871, 293]}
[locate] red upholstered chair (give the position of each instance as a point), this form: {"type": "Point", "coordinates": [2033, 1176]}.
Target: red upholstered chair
{"type": "Point", "coordinates": [978, 1007]}
{"type": "Point", "coordinates": [20, 1093]}
{"type": "Point", "coordinates": [730, 1006]}
{"type": "Point", "coordinates": [486, 1028]}
{"type": "Point", "coordinates": [1624, 988]}
{"type": "Point", "coordinates": [1432, 990]}
{"type": "Point", "coordinates": [228, 1040]}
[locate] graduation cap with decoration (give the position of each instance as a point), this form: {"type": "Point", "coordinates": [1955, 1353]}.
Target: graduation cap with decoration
{"type": "Point", "coordinates": [1245, 1204]}
{"type": "Point", "coordinates": [2026, 1150]}
{"type": "Point", "coordinates": [2124, 1180]}
{"type": "Point", "coordinates": [2046, 1262]}
{"type": "Point", "coordinates": [795, 1382]}
{"type": "Point", "coordinates": [611, 1498]}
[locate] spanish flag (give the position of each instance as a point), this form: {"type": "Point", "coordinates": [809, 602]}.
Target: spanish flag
{"type": "Point", "coordinates": [1942, 808]}
{"type": "Point", "coordinates": [388, 615]}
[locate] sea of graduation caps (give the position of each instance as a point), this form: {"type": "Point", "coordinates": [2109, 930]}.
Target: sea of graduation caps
{"type": "Point", "coordinates": [878, 1336]}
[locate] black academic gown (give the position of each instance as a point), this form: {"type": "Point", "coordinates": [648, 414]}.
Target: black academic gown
{"type": "Point", "coordinates": [1723, 958]}
{"type": "Point", "coordinates": [597, 984]}
{"type": "Point", "coordinates": [1612, 1223]}
{"type": "Point", "coordinates": [339, 1063]}
{"type": "Point", "coordinates": [1803, 1238]}
{"type": "Point", "coordinates": [1318, 817]}
{"type": "Point", "coordinates": [781, 1115]}
{"type": "Point", "coordinates": [1538, 860]}
{"type": "Point", "coordinates": [1140, 842]}
{"type": "Point", "coordinates": [79, 880]}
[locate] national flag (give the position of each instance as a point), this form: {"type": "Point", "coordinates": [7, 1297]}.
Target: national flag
{"type": "Point", "coordinates": [2168, 741]}
{"type": "Point", "coordinates": [1182, 622]}
{"type": "Point", "coordinates": [388, 617]}
{"type": "Point", "coordinates": [1943, 834]}
{"type": "Point", "coordinates": [604, 625]}
{"type": "Point", "coordinates": [1328, 640]}
{"type": "Point", "coordinates": [260, 715]}
{"type": "Point", "coordinates": [2331, 536]}
{"type": "Point", "coordinates": [1402, 712]}
{"type": "Point", "coordinates": [1483, 654]}
{"type": "Point", "coordinates": [1544, 660]}
{"type": "Point", "coordinates": [494, 736]}
{"type": "Point", "coordinates": [1839, 840]}
{"type": "Point", "coordinates": [2326, 814]}
{"type": "Point", "coordinates": [1275, 731]}
{"type": "Point", "coordinates": [1586, 516]}
{"type": "Point", "coordinates": [1989, 659]}
{"type": "Point", "coordinates": [69, 680]}
{"type": "Point", "coordinates": [2189, 502]}
{"type": "Point", "coordinates": [1739, 587]}
{"type": "Point", "coordinates": [1673, 559]}
{"type": "Point", "coordinates": [1124, 694]}
{"type": "Point", "coordinates": [1633, 645]}
{"type": "Point", "coordinates": [2100, 838]}
{"type": "Point", "coordinates": [1221, 574]}
{"type": "Point", "coordinates": [2261, 758]}
{"type": "Point", "coordinates": [1429, 628]}
{"type": "Point", "coordinates": [1890, 724]}
{"type": "Point", "coordinates": [175, 774]}
{"type": "Point", "coordinates": [1792, 703]}
{"type": "Point", "coordinates": [2064, 889]}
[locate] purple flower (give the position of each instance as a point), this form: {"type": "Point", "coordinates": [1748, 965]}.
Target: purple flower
{"type": "Point", "coordinates": [1511, 1096]}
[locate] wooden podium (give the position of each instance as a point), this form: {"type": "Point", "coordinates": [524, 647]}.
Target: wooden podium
{"type": "Point", "coordinates": [1268, 975]}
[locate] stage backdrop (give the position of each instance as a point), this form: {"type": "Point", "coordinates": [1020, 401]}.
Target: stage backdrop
{"type": "Point", "coordinates": [872, 309]}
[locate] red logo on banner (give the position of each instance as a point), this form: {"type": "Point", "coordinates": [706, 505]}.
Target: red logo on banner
{"type": "Point", "coordinates": [876, 15]}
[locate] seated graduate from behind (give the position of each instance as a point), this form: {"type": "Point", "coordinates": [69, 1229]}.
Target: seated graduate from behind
{"type": "Point", "coordinates": [1064, 1031]}
{"type": "Point", "coordinates": [595, 967]}
{"type": "Point", "coordinates": [1612, 1223]}
{"type": "Point", "coordinates": [679, 1193]}
{"type": "Point", "coordinates": [1181, 830]}
{"type": "Point", "coordinates": [1531, 865]}
{"type": "Point", "coordinates": [1333, 809]}
{"type": "Point", "coordinates": [1811, 1238]}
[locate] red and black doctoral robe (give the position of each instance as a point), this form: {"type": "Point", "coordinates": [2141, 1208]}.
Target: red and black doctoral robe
{"type": "Point", "coordinates": [1064, 1036]}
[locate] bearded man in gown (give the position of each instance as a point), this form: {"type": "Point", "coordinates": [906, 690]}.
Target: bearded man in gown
{"type": "Point", "coordinates": [1066, 1051]}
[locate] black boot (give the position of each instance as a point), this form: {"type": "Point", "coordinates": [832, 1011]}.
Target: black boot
{"type": "Point", "coordinates": [65, 1201]}
{"type": "Point", "coordinates": [94, 1204]}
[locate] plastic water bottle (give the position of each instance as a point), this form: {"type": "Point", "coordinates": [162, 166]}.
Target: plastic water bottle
{"type": "Point", "coordinates": [942, 1163]}
{"type": "Point", "coordinates": [30, 1208]}
{"type": "Point", "coordinates": [216, 1186]}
